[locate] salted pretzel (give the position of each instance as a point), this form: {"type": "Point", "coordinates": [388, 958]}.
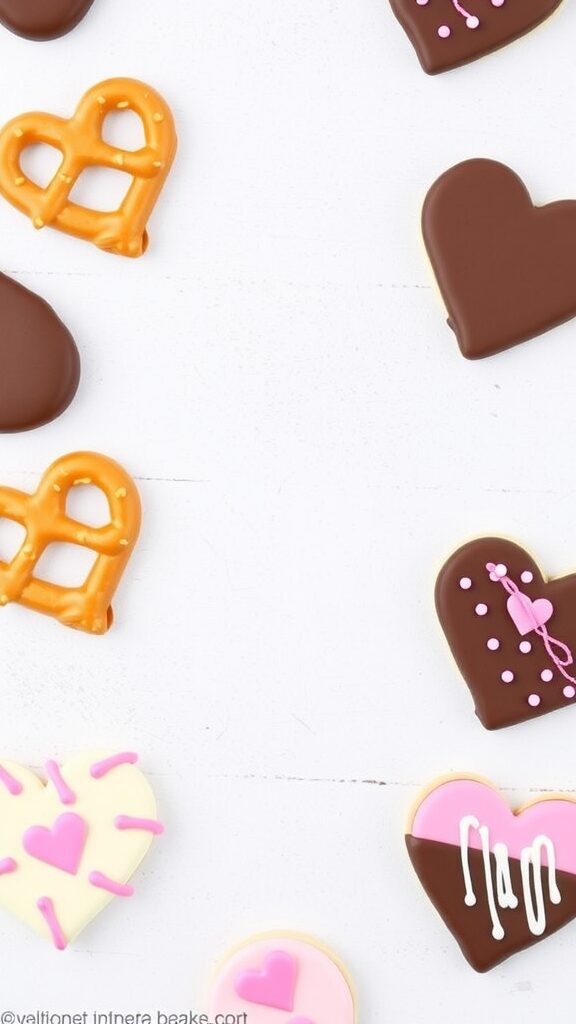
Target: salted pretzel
{"type": "Point", "coordinates": [80, 142]}
{"type": "Point", "coordinates": [43, 516]}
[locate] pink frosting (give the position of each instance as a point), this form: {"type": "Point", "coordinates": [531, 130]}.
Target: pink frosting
{"type": "Point", "coordinates": [441, 811]}
{"type": "Point", "coordinates": [321, 993]}
{"type": "Point", "coordinates": [61, 846]}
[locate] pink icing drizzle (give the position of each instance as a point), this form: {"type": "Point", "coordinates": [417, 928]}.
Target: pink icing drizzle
{"type": "Point", "coordinates": [124, 821]}
{"type": "Point", "coordinates": [101, 881]}
{"type": "Point", "coordinates": [101, 768]}
{"type": "Point", "coordinates": [12, 785]}
{"type": "Point", "coordinates": [66, 795]}
{"type": "Point", "coordinates": [7, 866]}
{"type": "Point", "coordinates": [497, 576]}
{"type": "Point", "coordinates": [46, 908]}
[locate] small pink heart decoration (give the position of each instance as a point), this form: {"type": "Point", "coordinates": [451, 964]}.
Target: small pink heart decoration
{"type": "Point", "coordinates": [61, 846]}
{"type": "Point", "coordinates": [273, 986]}
{"type": "Point", "coordinates": [528, 615]}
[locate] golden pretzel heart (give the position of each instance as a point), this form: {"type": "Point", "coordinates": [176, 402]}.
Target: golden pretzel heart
{"type": "Point", "coordinates": [43, 515]}
{"type": "Point", "coordinates": [80, 141]}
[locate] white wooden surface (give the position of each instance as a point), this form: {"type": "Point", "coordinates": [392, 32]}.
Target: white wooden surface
{"type": "Point", "coordinates": [309, 444]}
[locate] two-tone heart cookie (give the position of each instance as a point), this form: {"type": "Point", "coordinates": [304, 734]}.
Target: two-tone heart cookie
{"type": "Point", "coordinates": [283, 979]}
{"type": "Point", "coordinates": [449, 33]}
{"type": "Point", "coordinates": [511, 631]}
{"type": "Point", "coordinates": [501, 880]}
{"type": "Point", "coordinates": [505, 267]}
{"type": "Point", "coordinates": [69, 845]}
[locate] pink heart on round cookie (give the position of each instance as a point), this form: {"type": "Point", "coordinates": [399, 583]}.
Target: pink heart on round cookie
{"type": "Point", "coordinates": [512, 632]}
{"type": "Point", "coordinates": [449, 33]}
{"type": "Point", "coordinates": [501, 880]}
{"type": "Point", "coordinates": [273, 976]}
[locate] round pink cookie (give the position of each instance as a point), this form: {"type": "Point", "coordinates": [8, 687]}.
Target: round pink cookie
{"type": "Point", "coordinates": [282, 979]}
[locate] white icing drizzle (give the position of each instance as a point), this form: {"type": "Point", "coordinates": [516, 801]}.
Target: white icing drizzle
{"type": "Point", "coordinates": [505, 898]}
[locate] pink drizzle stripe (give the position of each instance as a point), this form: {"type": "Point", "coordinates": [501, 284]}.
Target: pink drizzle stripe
{"type": "Point", "coordinates": [7, 866]}
{"type": "Point", "coordinates": [101, 768]}
{"type": "Point", "coordinates": [46, 908]}
{"type": "Point", "coordinates": [66, 795]}
{"type": "Point", "coordinates": [103, 882]}
{"type": "Point", "coordinates": [12, 785]}
{"type": "Point", "coordinates": [124, 821]}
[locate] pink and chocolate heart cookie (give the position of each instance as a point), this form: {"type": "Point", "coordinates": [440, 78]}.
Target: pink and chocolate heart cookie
{"type": "Point", "coordinates": [505, 267]}
{"type": "Point", "coordinates": [511, 631]}
{"type": "Point", "coordinates": [501, 881]}
{"type": "Point", "coordinates": [448, 33]}
{"type": "Point", "coordinates": [282, 979]}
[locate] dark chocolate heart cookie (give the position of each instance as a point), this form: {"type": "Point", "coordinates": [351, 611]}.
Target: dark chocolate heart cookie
{"type": "Point", "coordinates": [39, 361]}
{"type": "Point", "coordinates": [447, 33]}
{"type": "Point", "coordinates": [511, 631]}
{"type": "Point", "coordinates": [506, 268]}
{"type": "Point", "coordinates": [42, 19]}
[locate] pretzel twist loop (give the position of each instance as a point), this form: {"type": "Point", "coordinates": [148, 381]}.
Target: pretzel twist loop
{"type": "Point", "coordinates": [79, 139]}
{"type": "Point", "coordinates": [44, 518]}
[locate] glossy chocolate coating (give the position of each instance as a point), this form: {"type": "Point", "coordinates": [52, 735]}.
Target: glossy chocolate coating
{"type": "Point", "coordinates": [39, 361]}
{"type": "Point", "coordinates": [497, 27]}
{"type": "Point", "coordinates": [439, 868]}
{"type": "Point", "coordinates": [506, 268]}
{"type": "Point", "coordinates": [499, 704]}
{"type": "Point", "coordinates": [42, 19]}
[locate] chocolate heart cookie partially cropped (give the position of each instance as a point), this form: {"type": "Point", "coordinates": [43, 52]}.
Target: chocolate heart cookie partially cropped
{"type": "Point", "coordinates": [42, 19]}
{"type": "Point", "coordinates": [39, 361]}
{"type": "Point", "coordinates": [511, 631]}
{"type": "Point", "coordinates": [447, 33]}
{"type": "Point", "coordinates": [506, 268]}
{"type": "Point", "coordinates": [501, 880]}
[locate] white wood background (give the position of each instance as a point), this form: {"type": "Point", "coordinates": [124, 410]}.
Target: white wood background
{"type": "Point", "coordinates": [309, 445]}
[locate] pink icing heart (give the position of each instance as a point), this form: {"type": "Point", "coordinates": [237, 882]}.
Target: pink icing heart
{"type": "Point", "coordinates": [527, 615]}
{"type": "Point", "coordinates": [273, 986]}
{"type": "Point", "coordinates": [61, 846]}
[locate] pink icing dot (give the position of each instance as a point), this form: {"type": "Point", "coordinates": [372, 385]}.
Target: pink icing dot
{"type": "Point", "coordinates": [526, 576]}
{"type": "Point", "coordinates": [472, 21]}
{"type": "Point", "coordinates": [569, 692]}
{"type": "Point", "coordinates": [525, 647]}
{"type": "Point", "coordinates": [495, 3]}
{"type": "Point", "coordinates": [444, 32]}
{"type": "Point", "coordinates": [493, 644]}
{"type": "Point", "coordinates": [481, 609]}
{"type": "Point", "coordinates": [534, 700]}
{"type": "Point", "coordinates": [547, 675]}
{"type": "Point", "coordinates": [422, 3]}
{"type": "Point", "coordinates": [501, 570]}
{"type": "Point", "coordinates": [465, 583]}
{"type": "Point", "coordinates": [507, 676]}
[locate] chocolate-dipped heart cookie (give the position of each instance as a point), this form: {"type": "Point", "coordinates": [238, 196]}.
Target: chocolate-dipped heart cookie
{"type": "Point", "coordinates": [42, 19]}
{"type": "Point", "coordinates": [447, 33]}
{"type": "Point", "coordinates": [501, 881]}
{"type": "Point", "coordinates": [39, 362]}
{"type": "Point", "coordinates": [506, 268]}
{"type": "Point", "coordinates": [511, 631]}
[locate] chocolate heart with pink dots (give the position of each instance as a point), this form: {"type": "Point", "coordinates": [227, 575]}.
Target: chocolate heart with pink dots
{"type": "Point", "coordinates": [448, 33]}
{"type": "Point", "coordinates": [511, 631]}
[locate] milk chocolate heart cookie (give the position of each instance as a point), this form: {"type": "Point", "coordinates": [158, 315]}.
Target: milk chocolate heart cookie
{"type": "Point", "coordinates": [501, 881]}
{"type": "Point", "coordinates": [506, 268]}
{"type": "Point", "coordinates": [70, 845]}
{"type": "Point", "coordinates": [511, 631]}
{"type": "Point", "coordinates": [448, 33]}
{"type": "Point", "coordinates": [39, 362]}
{"type": "Point", "coordinates": [282, 979]}
{"type": "Point", "coordinates": [42, 19]}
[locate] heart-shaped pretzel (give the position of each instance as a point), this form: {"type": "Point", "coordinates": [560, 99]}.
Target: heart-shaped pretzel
{"type": "Point", "coordinates": [43, 515]}
{"type": "Point", "coordinates": [122, 231]}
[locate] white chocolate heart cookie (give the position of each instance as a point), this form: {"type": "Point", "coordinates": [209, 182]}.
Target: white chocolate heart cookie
{"type": "Point", "coordinates": [283, 979]}
{"type": "Point", "coordinates": [68, 846]}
